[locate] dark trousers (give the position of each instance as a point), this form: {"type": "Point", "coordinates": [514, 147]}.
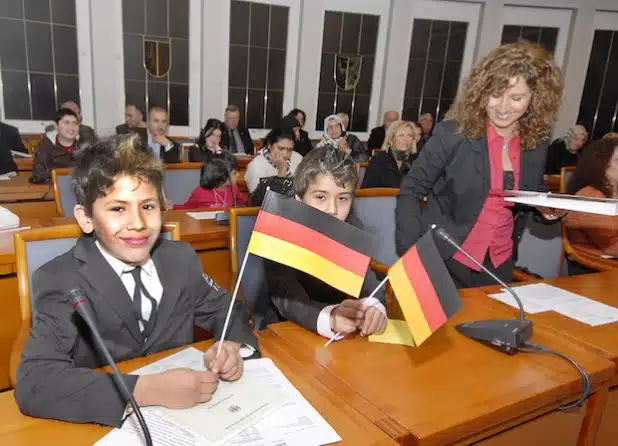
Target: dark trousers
{"type": "Point", "coordinates": [465, 277]}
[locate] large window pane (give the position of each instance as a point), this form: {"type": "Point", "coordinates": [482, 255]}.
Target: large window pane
{"type": "Point", "coordinates": [545, 36]}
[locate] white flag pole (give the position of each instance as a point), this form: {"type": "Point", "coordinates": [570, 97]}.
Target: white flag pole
{"type": "Point", "coordinates": [229, 311]}
{"type": "Point", "coordinates": [338, 335]}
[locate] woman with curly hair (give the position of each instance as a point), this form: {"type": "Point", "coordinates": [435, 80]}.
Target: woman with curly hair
{"type": "Point", "coordinates": [494, 138]}
{"type": "Point", "coordinates": [596, 176]}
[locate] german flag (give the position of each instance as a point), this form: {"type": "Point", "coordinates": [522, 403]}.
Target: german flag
{"type": "Point", "coordinates": [290, 232]}
{"type": "Point", "coordinates": [424, 289]}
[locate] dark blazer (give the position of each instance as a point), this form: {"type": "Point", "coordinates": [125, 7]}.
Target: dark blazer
{"type": "Point", "coordinates": [227, 140]}
{"type": "Point", "coordinates": [376, 138]}
{"type": "Point", "coordinates": [10, 139]}
{"type": "Point", "coordinates": [558, 157]}
{"type": "Point", "coordinates": [453, 173]}
{"type": "Point", "coordinates": [303, 145]}
{"type": "Point", "coordinates": [358, 149]}
{"type": "Point", "coordinates": [299, 297]}
{"type": "Point", "coordinates": [171, 156]}
{"type": "Point", "coordinates": [384, 172]}
{"type": "Point", "coordinates": [86, 134]}
{"type": "Point", "coordinates": [55, 378]}
{"type": "Point", "coordinates": [197, 155]}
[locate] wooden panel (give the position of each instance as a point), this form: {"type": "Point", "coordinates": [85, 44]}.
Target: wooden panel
{"type": "Point", "coordinates": [216, 263]}
{"type": "Point", "coordinates": [608, 429]}
{"type": "Point", "coordinates": [19, 188]}
{"type": "Point", "coordinates": [33, 209]}
{"type": "Point", "coordinates": [9, 324]}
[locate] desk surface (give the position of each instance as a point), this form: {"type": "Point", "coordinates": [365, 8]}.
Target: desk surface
{"type": "Point", "coordinates": [19, 188]}
{"type": "Point", "coordinates": [451, 389]}
{"type": "Point", "coordinates": [19, 430]}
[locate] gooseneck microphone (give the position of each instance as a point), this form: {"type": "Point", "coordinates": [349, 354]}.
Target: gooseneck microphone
{"type": "Point", "coordinates": [506, 335]}
{"type": "Point", "coordinates": [82, 306]}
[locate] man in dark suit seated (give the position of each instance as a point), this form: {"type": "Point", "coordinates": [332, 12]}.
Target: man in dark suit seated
{"type": "Point", "coordinates": [10, 139]}
{"type": "Point", "coordinates": [134, 121]}
{"type": "Point", "coordinates": [147, 294]}
{"type": "Point", "coordinates": [156, 141]}
{"type": "Point", "coordinates": [86, 133]}
{"type": "Point", "coordinates": [236, 137]}
{"type": "Point", "coordinates": [426, 123]}
{"type": "Point", "coordinates": [376, 138]}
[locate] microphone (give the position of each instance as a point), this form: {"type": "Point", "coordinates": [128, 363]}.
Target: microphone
{"type": "Point", "coordinates": [505, 335]}
{"type": "Point", "coordinates": [82, 306]}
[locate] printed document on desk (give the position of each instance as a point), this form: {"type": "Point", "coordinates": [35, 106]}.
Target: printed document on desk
{"type": "Point", "coordinates": [603, 206]}
{"type": "Point", "coordinates": [204, 215]}
{"type": "Point", "coordinates": [294, 423]}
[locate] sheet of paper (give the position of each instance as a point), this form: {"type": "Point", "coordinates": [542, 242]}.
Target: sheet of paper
{"type": "Point", "coordinates": [535, 298]}
{"type": "Point", "coordinates": [205, 215]}
{"type": "Point", "coordinates": [603, 206]}
{"type": "Point", "coordinates": [396, 332]}
{"type": "Point", "coordinates": [4, 178]}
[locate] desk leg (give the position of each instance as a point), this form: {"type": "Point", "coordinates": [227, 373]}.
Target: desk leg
{"type": "Point", "coordinates": [607, 426]}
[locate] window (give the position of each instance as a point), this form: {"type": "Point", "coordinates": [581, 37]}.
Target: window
{"type": "Point", "coordinates": [436, 56]}
{"type": "Point", "coordinates": [599, 106]}
{"type": "Point", "coordinates": [545, 36]}
{"type": "Point", "coordinates": [156, 56]}
{"type": "Point", "coordinates": [39, 59]}
{"type": "Point", "coordinates": [346, 73]}
{"type": "Point", "coordinates": [257, 61]}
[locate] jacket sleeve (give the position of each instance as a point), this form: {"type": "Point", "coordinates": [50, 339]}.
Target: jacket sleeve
{"type": "Point", "coordinates": [374, 140]}
{"type": "Point", "coordinates": [172, 156]}
{"type": "Point", "coordinates": [40, 170]}
{"type": "Point", "coordinates": [553, 155]}
{"type": "Point", "coordinates": [373, 173]}
{"type": "Point", "coordinates": [358, 150]}
{"type": "Point", "coordinates": [252, 176]}
{"type": "Point", "coordinates": [49, 385]}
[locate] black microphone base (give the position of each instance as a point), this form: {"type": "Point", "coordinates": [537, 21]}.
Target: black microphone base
{"type": "Point", "coordinates": [505, 335]}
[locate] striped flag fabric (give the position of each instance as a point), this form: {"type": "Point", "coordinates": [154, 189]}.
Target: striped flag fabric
{"type": "Point", "coordinates": [294, 234]}
{"type": "Point", "coordinates": [424, 289]}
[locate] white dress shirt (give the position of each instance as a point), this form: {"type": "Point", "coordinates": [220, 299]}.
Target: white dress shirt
{"type": "Point", "coordinates": [150, 280]}
{"type": "Point", "coordinates": [155, 147]}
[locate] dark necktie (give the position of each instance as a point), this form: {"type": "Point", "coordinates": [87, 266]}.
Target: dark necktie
{"type": "Point", "coordinates": [140, 290]}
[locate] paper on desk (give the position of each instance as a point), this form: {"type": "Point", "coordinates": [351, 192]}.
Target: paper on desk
{"type": "Point", "coordinates": [396, 332]}
{"type": "Point", "coordinates": [205, 215]}
{"type": "Point", "coordinates": [295, 423]}
{"type": "Point", "coordinates": [535, 298]}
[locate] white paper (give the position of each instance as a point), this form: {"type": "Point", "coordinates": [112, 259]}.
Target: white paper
{"type": "Point", "coordinates": [603, 206]}
{"type": "Point", "coordinates": [541, 297]}
{"type": "Point", "coordinates": [19, 154]}
{"type": "Point", "coordinates": [294, 423]}
{"type": "Point", "coordinates": [205, 215]}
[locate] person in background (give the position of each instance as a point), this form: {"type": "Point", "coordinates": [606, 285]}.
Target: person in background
{"type": "Point", "coordinates": [10, 139]}
{"type": "Point", "coordinates": [160, 145]}
{"type": "Point", "coordinates": [335, 136]}
{"type": "Point", "coordinates": [377, 135]}
{"type": "Point", "coordinates": [418, 134]}
{"type": "Point", "coordinates": [303, 143]}
{"type": "Point", "coordinates": [326, 180]}
{"type": "Point", "coordinates": [565, 151]}
{"type": "Point", "coordinates": [86, 133]}
{"type": "Point", "coordinates": [58, 147]}
{"type": "Point", "coordinates": [357, 149]}
{"type": "Point", "coordinates": [236, 137]}
{"type": "Point", "coordinates": [611, 135]}
{"type": "Point", "coordinates": [494, 138]}
{"type": "Point", "coordinates": [596, 176]}
{"type": "Point", "coordinates": [208, 143]}
{"type": "Point", "coordinates": [426, 123]}
{"type": "Point", "coordinates": [217, 187]}
{"type": "Point", "coordinates": [388, 168]}
{"type": "Point", "coordinates": [134, 121]}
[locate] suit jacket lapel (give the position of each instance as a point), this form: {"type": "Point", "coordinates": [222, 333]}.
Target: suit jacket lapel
{"type": "Point", "coordinates": [110, 289]}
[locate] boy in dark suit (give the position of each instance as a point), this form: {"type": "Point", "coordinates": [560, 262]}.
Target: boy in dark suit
{"type": "Point", "coordinates": [326, 179]}
{"type": "Point", "coordinates": [146, 294]}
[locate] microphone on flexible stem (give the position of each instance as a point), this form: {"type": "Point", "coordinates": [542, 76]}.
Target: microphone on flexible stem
{"type": "Point", "coordinates": [82, 306]}
{"type": "Point", "coordinates": [506, 335]}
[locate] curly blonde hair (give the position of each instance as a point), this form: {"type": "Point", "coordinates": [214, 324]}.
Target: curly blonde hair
{"type": "Point", "coordinates": [494, 73]}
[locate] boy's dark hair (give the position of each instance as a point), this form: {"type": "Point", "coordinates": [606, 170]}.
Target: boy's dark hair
{"type": "Point", "coordinates": [62, 112]}
{"type": "Point", "coordinates": [100, 164]}
{"type": "Point", "coordinates": [217, 170]}
{"type": "Point", "coordinates": [296, 111]}
{"type": "Point", "coordinates": [328, 161]}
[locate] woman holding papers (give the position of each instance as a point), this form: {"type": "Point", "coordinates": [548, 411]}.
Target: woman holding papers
{"type": "Point", "coordinates": [596, 176]}
{"type": "Point", "coordinates": [494, 138]}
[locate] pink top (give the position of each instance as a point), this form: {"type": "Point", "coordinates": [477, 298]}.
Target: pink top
{"type": "Point", "coordinates": [493, 230]}
{"type": "Point", "coordinates": [214, 198]}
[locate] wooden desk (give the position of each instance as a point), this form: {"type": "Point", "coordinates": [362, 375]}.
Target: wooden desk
{"type": "Point", "coordinates": [19, 188]}
{"type": "Point", "coordinates": [19, 430]}
{"type": "Point", "coordinates": [602, 339]}
{"type": "Point", "coordinates": [453, 390]}
{"type": "Point", "coordinates": [24, 165]}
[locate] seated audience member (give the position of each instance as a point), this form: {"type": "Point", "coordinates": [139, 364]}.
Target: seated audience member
{"type": "Point", "coordinates": [208, 142]}
{"type": "Point", "coordinates": [160, 145]}
{"type": "Point", "coordinates": [335, 136]}
{"type": "Point", "coordinates": [387, 168]}
{"type": "Point", "coordinates": [565, 151]}
{"type": "Point", "coordinates": [86, 133]}
{"type": "Point", "coordinates": [426, 123]}
{"type": "Point", "coordinates": [236, 137]}
{"type": "Point", "coordinates": [326, 180]}
{"type": "Point", "coordinates": [303, 143]}
{"type": "Point", "coordinates": [358, 152]}
{"type": "Point", "coordinates": [596, 176]}
{"type": "Point", "coordinates": [217, 187]}
{"type": "Point", "coordinates": [57, 147]}
{"type": "Point", "coordinates": [275, 162]}
{"type": "Point", "coordinates": [134, 121]}
{"type": "Point", "coordinates": [147, 294]}
{"type": "Point", "coordinates": [10, 139]}
{"type": "Point", "coordinates": [377, 135]}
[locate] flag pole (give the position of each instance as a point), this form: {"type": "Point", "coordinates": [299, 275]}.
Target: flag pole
{"type": "Point", "coordinates": [229, 311]}
{"type": "Point", "coordinates": [373, 293]}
